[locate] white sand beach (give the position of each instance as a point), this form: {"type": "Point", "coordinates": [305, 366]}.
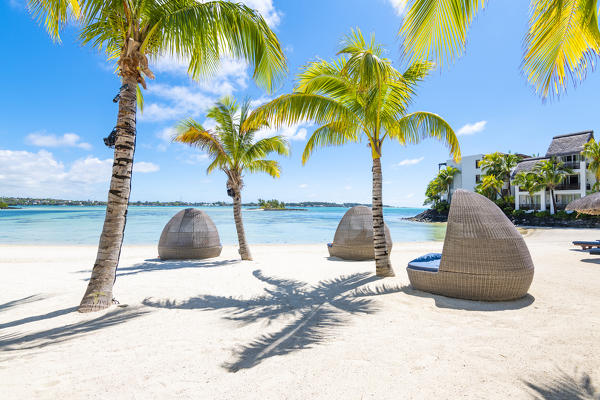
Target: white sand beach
{"type": "Point", "coordinates": [294, 324]}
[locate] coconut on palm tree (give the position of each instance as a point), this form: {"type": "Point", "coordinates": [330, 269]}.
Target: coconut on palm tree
{"type": "Point", "coordinates": [551, 173]}
{"type": "Point", "coordinates": [591, 151]}
{"type": "Point", "coordinates": [234, 151]}
{"type": "Point", "coordinates": [360, 96]}
{"type": "Point", "coordinates": [131, 32]}
{"type": "Point", "coordinates": [561, 45]}
{"type": "Point", "coordinates": [528, 182]}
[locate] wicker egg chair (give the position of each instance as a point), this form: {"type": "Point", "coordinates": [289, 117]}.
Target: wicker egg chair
{"type": "Point", "coordinates": [353, 238]}
{"type": "Point", "coordinates": [190, 234]}
{"type": "Point", "coordinates": [484, 256]}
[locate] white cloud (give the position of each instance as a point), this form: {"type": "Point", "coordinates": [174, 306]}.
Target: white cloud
{"type": "Point", "coordinates": [39, 174]}
{"type": "Point", "coordinates": [194, 159]}
{"type": "Point", "coordinates": [399, 6]}
{"type": "Point", "coordinates": [410, 161]}
{"type": "Point", "coordinates": [266, 9]}
{"type": "Point", "coordinates": [471, 129]}
{"type": "Point", "coordinates": [43, 139]}
{"type": "Point", "coordinates": [183, 101]}
{"type": "Point", "coordinates": [303, 186]}
{"type": "Point", "coordinates": [291, 132]}
{"type": "Point", "coordinates": [143, 167]}
{"type": "Point", "coordinates": [409, 196]}
{"type": "Point", "coordinates": [348, 187]}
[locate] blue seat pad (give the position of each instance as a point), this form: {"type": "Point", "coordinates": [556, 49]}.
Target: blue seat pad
{"type": "Point", "coordinates": [591, 242]}
{"type": "Point", "coordinates": [429, 262]}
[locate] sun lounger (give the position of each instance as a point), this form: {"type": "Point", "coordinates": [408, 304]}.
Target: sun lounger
{"type": "Point", "coordinates": [585, 245]}
{"type": "Point", "coordinates": [484, 256]}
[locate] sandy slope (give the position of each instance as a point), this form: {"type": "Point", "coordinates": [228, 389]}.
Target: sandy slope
{"type": "Point", "coordinates": [293, 325]}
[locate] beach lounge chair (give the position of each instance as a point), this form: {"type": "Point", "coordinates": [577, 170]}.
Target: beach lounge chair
{"type": "Point", "coordinates": [595, 252]}
{"type": "Point", "coordinates": [585, 245]}
{"type": "Point", "coordinates": [190, 234]}
{"type": "Point", "coordinates": [484, 256]}
{"type": "Point", "coordinates": [353, 238]}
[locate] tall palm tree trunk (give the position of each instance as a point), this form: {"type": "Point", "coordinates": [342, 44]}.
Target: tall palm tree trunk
{"type": "Point", "coordinates": [553, 200]}
{"type": "Point", "coordinates": [383, 266]}
{"type": "Point", "coordinates": [98, 295]}
{"type": "Point", "coordinates": [239, 225]}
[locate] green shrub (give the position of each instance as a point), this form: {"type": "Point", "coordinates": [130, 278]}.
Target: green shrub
{"type": "Point", "coordinates": [542, 214]}
{"type": "Point", "coordinates": [562, 214]}
{"type": "Point", "coordinates": [3, 205]}
{"type": "Point", "coordinates": [442, 207]}
{"type": "Point", "coordinates": [519, 213]}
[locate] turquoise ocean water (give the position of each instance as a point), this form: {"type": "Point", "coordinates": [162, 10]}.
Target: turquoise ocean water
{"type": "Point", "coordinates": [82, 225]}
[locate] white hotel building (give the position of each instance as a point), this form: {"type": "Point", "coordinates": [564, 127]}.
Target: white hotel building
{"type": "Point", "coordinates": [566, 148]}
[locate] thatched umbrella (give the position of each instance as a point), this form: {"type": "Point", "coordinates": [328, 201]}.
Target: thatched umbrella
{"type": "Point", "coordinates": [589, 204]}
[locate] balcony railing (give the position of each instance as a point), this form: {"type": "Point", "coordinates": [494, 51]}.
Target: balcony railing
{"type": "Point", "coordinates": [529, 207]}
{"type": "Point", "coordinates": [568, 186]}
{"type": "Point", "coordinates": [572, 164]}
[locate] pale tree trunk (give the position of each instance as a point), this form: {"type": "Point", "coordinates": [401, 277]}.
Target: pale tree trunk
{"type": "Point", "coordinates": [99, 295]}
{"type": "Point", "coordinates": [383, 265]}
{"type": "Point", "coordinates": [239, 225]}
{"type": "Point", "coordinates": [552, 202]}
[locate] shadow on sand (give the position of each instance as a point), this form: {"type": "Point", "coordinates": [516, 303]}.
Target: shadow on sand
{"type": "Point", "coordinates": [24, 300]}
{"type": "Point", "coordinates": [16, 341]}
{"type": "Point", "coordinates": [470, 305]}
{"type": "Point", "coordinates": [563, 387]}
{"type": "Point", "coordinates": [38, 317]}
{"type": "Point", "coordinates": [314, 310]}
{"type": "Point", "coordinates": [156, 264]}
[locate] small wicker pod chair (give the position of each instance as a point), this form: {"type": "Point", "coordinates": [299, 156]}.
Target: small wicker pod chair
{"type": "Point", "coordinates": [353, 238]}
{"type": "Point", "coordinates": [484, 256]}
{"type": "Point", "coordinates": [190, 234]}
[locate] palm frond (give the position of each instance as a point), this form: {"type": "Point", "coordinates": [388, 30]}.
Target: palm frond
{"type": "Point", "coordinates": [562, 44]}
{"type": "Point", "coordinates": [418, 125]}
{"type": "Point", "coordinates": [205, 31]}
{"type": "Point", "coordinates": [262, 148]}
{"type": "Point", "coordinates": [299, 107]}
{"type": "Point", "coordinates": [437, 29]}
{"type": "Point", "coordinates": [331, 134]}
{"type": "Point", "coordinates": [54, 14]}
{"type": "Point", "coordinates": [267, 166]}
{"type": "Point", "coordinates": [193, 134]}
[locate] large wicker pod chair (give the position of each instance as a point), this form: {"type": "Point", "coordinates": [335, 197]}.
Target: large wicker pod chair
{"type": "Point", "coordinates": [353, 238]}
{"type": "Point", "coordinates": [190, 234]}
{"type": "Point", "coordinates": [484, 256]}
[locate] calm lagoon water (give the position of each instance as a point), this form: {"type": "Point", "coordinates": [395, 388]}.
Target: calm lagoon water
{"type": "Point", "coordinates": [82, 225]}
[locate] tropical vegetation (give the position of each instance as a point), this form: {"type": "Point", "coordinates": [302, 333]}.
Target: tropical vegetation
{"type": "Point", "coordinates": [500, 166]}
{"type": "Point", "coordinates": [439, 186]}
{"type": "Point", "coordinates": [234, 150]}
{"type": "Point", "coordinates": [490, 186]}
{"type": "Point", "coordinates": [358, 96]}
{"type": "Point", "coordinates": [562, 43]}
{"type": "Point", "coordinates": [529, 182]}
{"type": "Point", "coordinates": [131, 32]}
{"type": "Point", "coordinates": [591, 151]}
{"type": "Point", "coordinates": [271, 204]}
{"type": "Point", "coordinates": [3, 205]}
{"type": "Point", "coordinates": [551, 173]}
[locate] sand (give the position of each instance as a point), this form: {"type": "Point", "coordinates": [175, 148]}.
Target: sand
{"type": "Point", "coordinates": [294, 324]}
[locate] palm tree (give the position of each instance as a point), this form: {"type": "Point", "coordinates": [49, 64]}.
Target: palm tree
{"type": "Point", "coordinates": [490, 186]}
{"type": "Point", "coordinates": [233, 151]}
{"type": "Point", "coordinates": [561, 45]}
{"type": "Point", "coordinates": [591, 151]}
{"type": "Point", "coordinates": [130, 32]}
{"type": "Point", "coordinates": [360, 95]}
{"type": "Point", "coordinates": [446, 177]}
{"type": "Point", "coordinates": [529, 182]}
{"type": "Point", "coordinates": [500, 165]}
{"type": "Point", "coordinates": [551, 174]}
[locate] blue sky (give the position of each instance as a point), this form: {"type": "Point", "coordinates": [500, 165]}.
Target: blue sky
{"type": "Point", "coordinates": [56, 107]}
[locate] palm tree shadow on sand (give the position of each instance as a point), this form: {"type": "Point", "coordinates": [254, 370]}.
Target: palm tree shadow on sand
{"type": "Point", "coordinates": [564, 387]}
{"type": "Point", "coordinates": [315, 312]}
{"type": "Point", "coordinates": [156, 264]}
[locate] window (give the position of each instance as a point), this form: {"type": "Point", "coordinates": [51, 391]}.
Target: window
{"type": "Point", "coordinates": [477, 178]}
{"type": "Point", "coordinates": [477, 163]}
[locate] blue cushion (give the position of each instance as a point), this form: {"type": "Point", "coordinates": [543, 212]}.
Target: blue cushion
{"type": "Point", "coordinates": [429, 262]}
{"type": "Point", "coordinates": [329, 244]}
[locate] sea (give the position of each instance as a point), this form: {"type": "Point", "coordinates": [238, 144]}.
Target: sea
{"type": "Point", "coordinates": [83, 225]}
